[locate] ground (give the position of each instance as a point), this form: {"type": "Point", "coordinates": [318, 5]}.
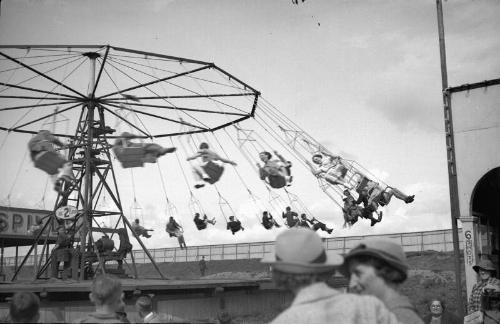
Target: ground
{"type": "Point", "coordinates": [431, 275]}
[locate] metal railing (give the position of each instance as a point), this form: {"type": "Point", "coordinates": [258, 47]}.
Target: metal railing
{"type": "Point", "coordinates": [439, 240]}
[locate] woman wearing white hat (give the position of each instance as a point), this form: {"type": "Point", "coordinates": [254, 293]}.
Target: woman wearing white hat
{"type": "Point", "coordinates": [301, 264]}
{"type": "Point", "coordinates": [486, 270]}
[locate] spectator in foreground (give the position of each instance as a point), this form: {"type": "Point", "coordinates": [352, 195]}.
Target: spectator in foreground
{"type": "Point", "coordinates": [439, 314]}
{"type": "Point", "coordinates": [376, 267]}
{"type": "Point", "coordinates": [144, 307]}
{"type": "Point", "coordinates": [487, 281]}
{"type": "Point", "coordinates": [24, 308]}
{"type": "Point", "coordinates": [301, 264]}
{"type": "Point", "coordinates": [107, 296]}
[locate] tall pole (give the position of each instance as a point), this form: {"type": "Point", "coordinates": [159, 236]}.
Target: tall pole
{"type": "Point", "coordinates": [452, 170]}
{"type": "Point", "coordinates": [87, 205]}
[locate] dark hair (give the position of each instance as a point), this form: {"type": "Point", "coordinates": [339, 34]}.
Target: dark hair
{"type": "Point", "coordinates": [291, 281]}
{"type": "Point", "coordinates": [145, 303]}
{"type": "Point", "coordinates": [269, 155]}
{"type": "Point", "coordinates": [288, 208]}
{"type": "Point", "coordinates": [203, 146]}
{"type": "Point", "coordinates": [24, 307]}
{"type": "Point", "coordinates": [317, 155]}
{"type": "Point", "coordinates": [383, 269]}
{"type": "Point", "coordinates": [264, 212]}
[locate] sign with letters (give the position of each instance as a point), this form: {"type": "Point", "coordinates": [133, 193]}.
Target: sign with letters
{"type": "Point", "coordinates": [15, 222]}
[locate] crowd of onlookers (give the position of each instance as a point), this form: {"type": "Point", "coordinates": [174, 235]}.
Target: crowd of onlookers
{"type": "Point", "coordinates": [375, 268]}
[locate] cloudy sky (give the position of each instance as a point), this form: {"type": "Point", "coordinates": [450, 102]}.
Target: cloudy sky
{"type": "Point", "coordinates": [361, 77]}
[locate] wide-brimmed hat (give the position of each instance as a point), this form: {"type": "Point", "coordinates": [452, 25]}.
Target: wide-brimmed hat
{"type": "Point", "coordinates": [385, 250]}
{"type": "Point", "coordinates": [300, 250]}
{"type": "Point", "coordinates": [485, 265]}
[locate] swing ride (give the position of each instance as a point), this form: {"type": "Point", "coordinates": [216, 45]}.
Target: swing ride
{"type": "Point", "coordinates": [182, 105]}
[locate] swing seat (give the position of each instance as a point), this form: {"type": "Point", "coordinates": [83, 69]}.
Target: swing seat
{"type": "Point", "coordinates": [133, 157]}
{"type": "Point", "coordinates": [276, 181]}
{"type": "Point", "coordinates": [130, 157]}
{"type": "Point", "coordinates": [267, 226]}
{"type": "Point", "coordinates": [176, 233]}
{"type": "Point", "coordinates": [214, 171]}
{"type": "Point", "coordinates": [201, 226]}
{"type": "Point", "coordinates": [49, 162]}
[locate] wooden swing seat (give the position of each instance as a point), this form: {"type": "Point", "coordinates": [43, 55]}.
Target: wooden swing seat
{"type": "Point", "coordinates": [214, 170]}
{"type": "Point", "coordinates": [276, 181]}
{"type": "Point", "coordinates": [49, 162]}
{"type": "Point", "coordinates": [267, 226]}
{"type": "Point", "coordinates": [133, 157]}
{"type": "Point", "coordinates": [201, 226]}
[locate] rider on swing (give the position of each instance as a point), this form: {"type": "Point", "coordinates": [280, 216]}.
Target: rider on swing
{"type": "Point", "coordinates": [41, 144]}
{"type": "Point", "coordinates": [140, 230]}
{"type": "Point", "coordinates": [330, 168]}
{"type": "Point", "coordinates": [275, 167]}
{"type": "Point", "coordinates": [206, 156]}
{"type": "Point", "coordinates": [175, 230]}
{"type": "Point", "coordinates": [234, 225]}
{"type": "Point", "coordinates": [352, 211]}
{"type": "Point", "coordinates": [201, 223]}
{"type": "Point", "coordinates": [268, 221]}
{"type": "Point", "coordinates": [152, 151]}
{"type": "Point", "coordinates": [292, 218]}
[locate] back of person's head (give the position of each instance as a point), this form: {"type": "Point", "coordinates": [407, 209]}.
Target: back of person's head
{"type": "Point", "coordinates": [203, 146]}
{"type": "Point", "coordinates": [303, 215]}
{"type": "Point", "coordinates": [264, 213]}
{"type": "Point", "coordinates": [144, 304]}
{"type": "Point", "coordinates": [197, 215]}
{"type": "Point", "coordinates": [386, 257]}
{"type": "Point", "coordinates": [137, 220]}
{"type": "Point", "coordinates": [288, 208]}
{"type": "Point", "coordinates": [300, 259]}
{"type": "Point", "coordinates": [106, 290]}
{"type": "Point", "coordinates": [24, 308]}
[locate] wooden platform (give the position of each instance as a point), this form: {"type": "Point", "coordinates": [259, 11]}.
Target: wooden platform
{"type": "Point", "coordinates": [74, 290]}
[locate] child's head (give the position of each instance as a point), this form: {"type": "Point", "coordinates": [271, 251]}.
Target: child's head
{"type": "Point", "coordinates": [203, 146]}
{"type": "Point", "coordinates": [317, 158]}
{"type": "Point", "coordinates": [106, 291]}
{"type": "Point", "coordinates": [265, 156]}
{"type": "Point", "coordinates": [24, 308]}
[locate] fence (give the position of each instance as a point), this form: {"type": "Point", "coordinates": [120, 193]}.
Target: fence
{"type": "Point", "coordinates": [440, 240]}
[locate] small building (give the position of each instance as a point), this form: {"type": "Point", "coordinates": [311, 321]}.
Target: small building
{"type": "Point", "coordinates": [473, 119]}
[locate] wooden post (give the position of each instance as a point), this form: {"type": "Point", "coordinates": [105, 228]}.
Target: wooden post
{"type": "Point", "coordinates": [450, 147]}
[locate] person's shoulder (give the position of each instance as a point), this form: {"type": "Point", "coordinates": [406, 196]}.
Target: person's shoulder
{"type": "Point", "coordinates": [99, 318]}
{"type": "Point", "coordinates": [449, 317]}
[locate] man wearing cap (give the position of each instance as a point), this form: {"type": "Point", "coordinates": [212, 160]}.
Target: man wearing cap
{"type": "Point", "coordinates": [302, 265]}
{"type": "Point", "coordinates": [486, 270]}
{"type": "Point", "coordinates": [376, 267]}
{"type": "Point", "coordinates": [144, 307]}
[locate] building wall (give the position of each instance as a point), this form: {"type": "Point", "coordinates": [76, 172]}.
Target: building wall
{"type": "Point", "coordinates": [476, 121]}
